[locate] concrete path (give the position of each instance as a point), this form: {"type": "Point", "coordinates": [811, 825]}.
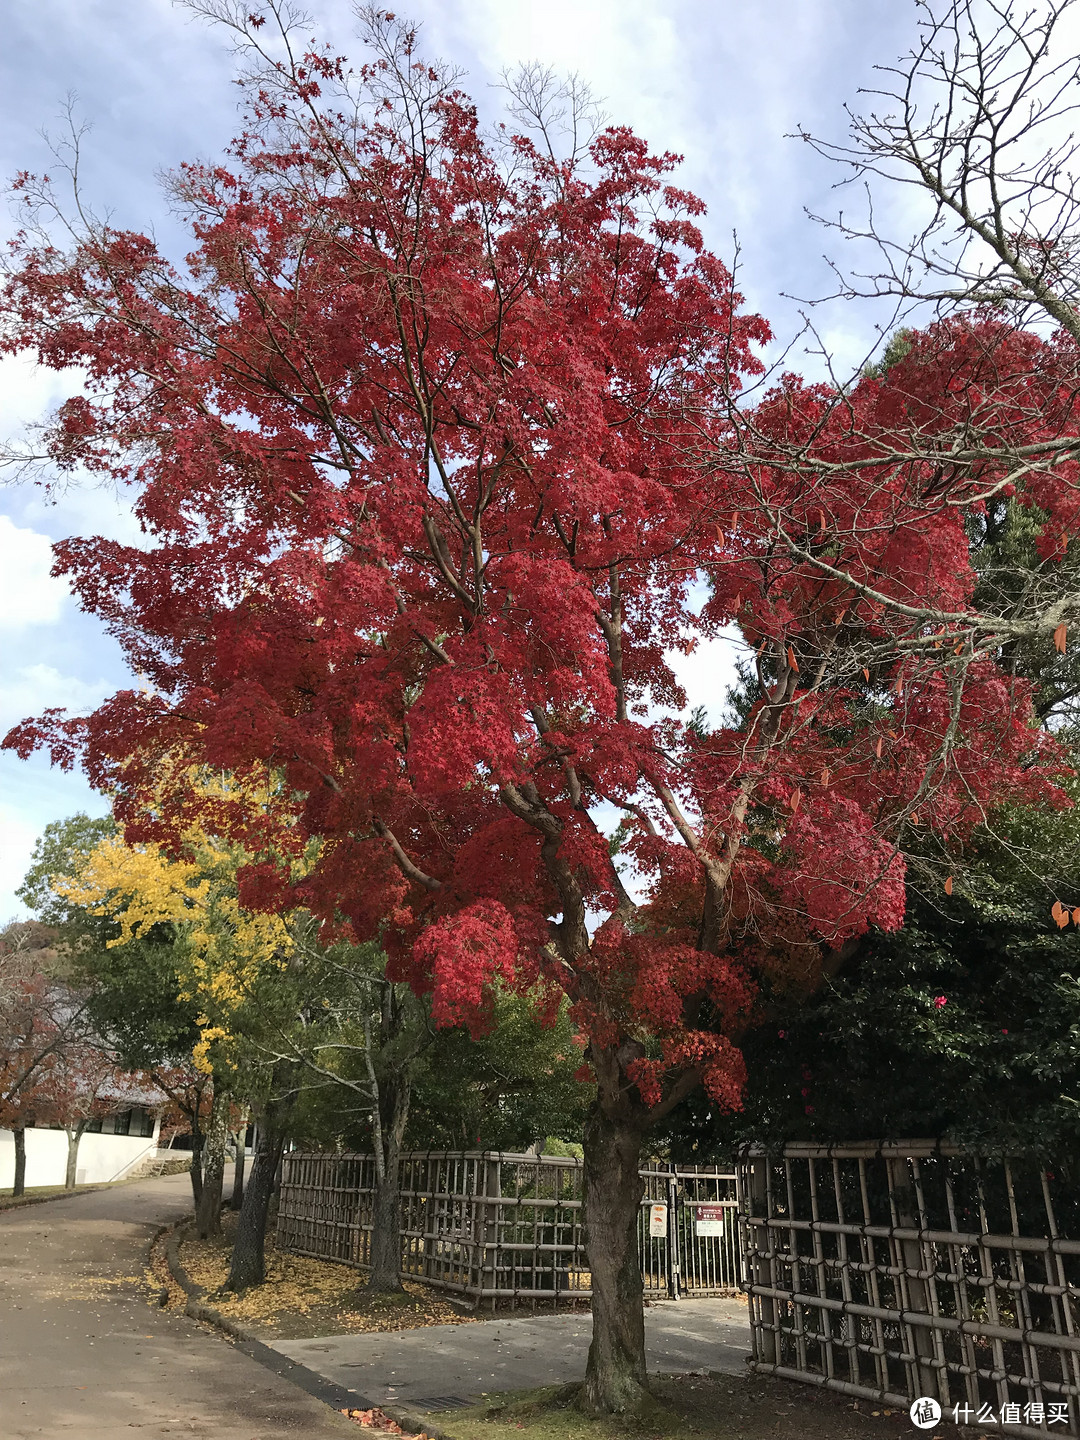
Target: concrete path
{"type": "Point", "coordinates": [447, 1365]}
{"type": "Point", "coordinates": [83, 1355]}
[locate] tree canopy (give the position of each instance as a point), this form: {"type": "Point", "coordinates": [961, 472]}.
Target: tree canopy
{"type": "Point", "coordinates": [433, 435]}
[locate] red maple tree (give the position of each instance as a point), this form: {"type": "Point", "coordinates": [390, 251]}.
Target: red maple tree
{"type": "Point", "coordinates": [435, 442]}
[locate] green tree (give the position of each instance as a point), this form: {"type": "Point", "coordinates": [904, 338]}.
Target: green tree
{"type": "Point", "coordinates": [963, 1025]}
{"type": "Point", "coordinates": [506, 1090]}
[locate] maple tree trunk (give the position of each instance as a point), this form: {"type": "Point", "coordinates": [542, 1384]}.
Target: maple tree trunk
{"type": "Point", "coordinates": [208, 1211]}
{"type": "Point", "coordinates": [73, 1139]}
{"type": "Point", "coordinates": [248, 1264]}
{"type": "Point", "coordinates": [615, 1374]}
{"type": "Point", "coordinates": [236, 1200]}
{"type": "Point", "coordinates": [19, 1183]}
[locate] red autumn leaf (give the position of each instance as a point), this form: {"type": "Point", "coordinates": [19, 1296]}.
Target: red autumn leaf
{"type": "Point", "coordinates": [878, 745]}
{"type": "Point", "coordinates": [791, 659]}
{"type": "Point", "coordinates": [1060, 914]}
{"type": "Point", "coordinates": [949, 885]}
{"type": "Point", "coordinates": [1059, 638]}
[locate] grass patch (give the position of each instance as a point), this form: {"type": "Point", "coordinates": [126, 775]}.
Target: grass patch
{"type": "Point", "coordinates": [714, 1407]}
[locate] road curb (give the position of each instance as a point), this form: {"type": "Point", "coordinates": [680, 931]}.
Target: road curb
{"type": "Point", "coordinates": [316, 1385]}
{"type": "Point", "coordinates": [25, 1201]}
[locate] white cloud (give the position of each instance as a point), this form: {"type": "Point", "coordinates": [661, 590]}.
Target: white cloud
{"type": "Point", "coordinates": [29, 391]}
{"type": "Point", "coordinates": [29, 594]}
{"type": "Point", "coordinates": [17, 837]}
{"type": "Point", "coordinates": [33, 688]}
{"type": "Point", "coordinates": [707, 674]}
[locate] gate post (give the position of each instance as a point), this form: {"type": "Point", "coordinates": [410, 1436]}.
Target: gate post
{"type": "Point", "coordinates": [914, 1291]}
{"type": "Point", "coordinates": [674, 1258]}
{"type": "Point", "coordinates": [758, 1249]}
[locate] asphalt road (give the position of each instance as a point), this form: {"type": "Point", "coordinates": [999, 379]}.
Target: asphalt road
{"type": "Point", "coordinates": [83, 1354]}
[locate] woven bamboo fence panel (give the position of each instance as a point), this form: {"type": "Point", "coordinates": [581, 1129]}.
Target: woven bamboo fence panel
{"type": "Point", "coordinates": [913, 1269]}
{"type": "Point", "coordinates": [500, 1226]}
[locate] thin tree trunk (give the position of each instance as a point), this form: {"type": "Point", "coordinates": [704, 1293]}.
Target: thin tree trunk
{"type": "Point", "coordinates": [248, 1264]}
{"type": "Point", "coordinates": [196, 1162]}
{"type": "Point", "coordinates": [385, 1275]}
{"type": "Point", "coordinates": [208, 1213]}
{"type": "Point", "coordinates": [390, 1113]}
{"type": "Point", "coordinates": [236, 1200]}
{"type": "Point", "coordinates": [615, 1374]}
{"type": "Point", "coordinates": [19, 1185]}
{"type": "Point", "coordinates": [73, 1138]}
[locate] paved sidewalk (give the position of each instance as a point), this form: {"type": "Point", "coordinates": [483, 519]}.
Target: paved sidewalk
{"type": "Point", "coordinates": [83, 1355]}
{"type": "Point", "coordinates": [444, 1365]}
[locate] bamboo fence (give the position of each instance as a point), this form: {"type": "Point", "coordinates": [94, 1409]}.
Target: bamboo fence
{"type": "Point", "coordinates": [913, 1269]}
{"type": "Point", "coordinates": [499, 1227]}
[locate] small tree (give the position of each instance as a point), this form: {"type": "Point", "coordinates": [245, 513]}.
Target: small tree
{"type": "Point", "coordinates": [82, 1086]}
{"type": "Point", "coordinates": [41, 1022]}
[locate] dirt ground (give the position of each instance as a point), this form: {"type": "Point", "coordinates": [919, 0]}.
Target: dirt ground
{"type": "Point", "coordinates": [305, 1298]}
{"type": "Point", "coordinates": [717, 1407]}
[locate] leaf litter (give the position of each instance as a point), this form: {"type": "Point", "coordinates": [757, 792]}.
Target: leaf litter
{"type": "Point", "coordinates": [304, 1298]}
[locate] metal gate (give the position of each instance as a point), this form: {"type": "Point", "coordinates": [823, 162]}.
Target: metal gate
{"type": "Point", "coordinates": [688, 1232]}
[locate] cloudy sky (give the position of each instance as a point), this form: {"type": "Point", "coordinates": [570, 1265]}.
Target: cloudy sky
{"type": "Point", "coordinates": [720, 81]}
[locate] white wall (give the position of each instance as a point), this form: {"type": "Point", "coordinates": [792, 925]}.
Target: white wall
{"type": "Point", "coordinates": [101, 1157]}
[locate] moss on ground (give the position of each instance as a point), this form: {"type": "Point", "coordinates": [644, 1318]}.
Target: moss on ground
{"type": "Point", "coordinates": [714, 1407]}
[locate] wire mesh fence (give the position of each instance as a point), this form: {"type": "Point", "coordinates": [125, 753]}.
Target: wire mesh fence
{"type": "Point", "coordinates": [500, 1227]}
{"type": "Point", "coordinates": [913, 1269]}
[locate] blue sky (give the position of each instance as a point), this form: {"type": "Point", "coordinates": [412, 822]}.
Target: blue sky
{"type": "Point", "coordinates": [720, 82]}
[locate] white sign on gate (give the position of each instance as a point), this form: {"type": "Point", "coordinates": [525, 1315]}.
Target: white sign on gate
{"type": "Point", "coordinates": [709, 1220]}
{"type": "Point", "coordinates": [657, 1221]}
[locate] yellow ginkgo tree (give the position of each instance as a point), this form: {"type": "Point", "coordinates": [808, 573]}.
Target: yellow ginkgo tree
{"type": "Point", "coordinates": [223, 952]}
